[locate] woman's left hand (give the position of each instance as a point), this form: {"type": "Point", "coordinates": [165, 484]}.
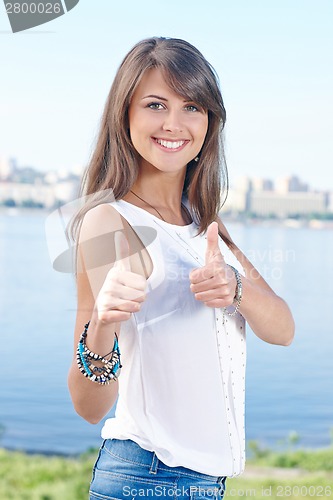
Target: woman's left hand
{"type": "Point", "coordinates": [215, 282]}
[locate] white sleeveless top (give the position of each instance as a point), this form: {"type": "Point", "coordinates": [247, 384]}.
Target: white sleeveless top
{"type": "Point", "coordinates": [181, 388]}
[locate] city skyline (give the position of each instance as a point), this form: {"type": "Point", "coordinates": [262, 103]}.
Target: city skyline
{"type": "Point", "coordinates": [282, 198]}
{"type": "Point", "coordinates": [8, 166]}
{"type": "Point", "coordinates": [274, 61]}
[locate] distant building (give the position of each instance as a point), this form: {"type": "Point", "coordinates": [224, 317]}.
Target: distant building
{"type": "Point", "coordinates": [238, 196]}
{"type": "Point", "coordinates": [65, 191]}
{"type": "Point", "coordinates": [287, 204]}
{"type": "Point", "coordinates": [260, 184]}
{"type": "Point", "coordinates": [290, 184]}
{"type": "Point", "coordinates": [253, 196]}
{"type": "Point", "coordinates": [330, 201]}
{"type": "Point", "coordinates": [6, 168]}
{"type": "Point", "coordinates": [289, 197]}
{"type": "Point", "coordinates": [25, 194]}
{"type": "Point", "coordinates": [236, 201]}
{"type": "Point", "coordinates": [44, 195]}
{"type": "Point", "coordinates": [28, 187]}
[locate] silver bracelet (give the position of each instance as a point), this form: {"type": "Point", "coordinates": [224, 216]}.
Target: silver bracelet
{"type": "Point", "coordinates": [238, 294]}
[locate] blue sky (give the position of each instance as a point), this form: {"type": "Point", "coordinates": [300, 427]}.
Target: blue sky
{"type": "Point", "coordinates": [274, 59]}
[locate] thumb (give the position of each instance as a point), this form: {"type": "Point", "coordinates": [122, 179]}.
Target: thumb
{"type": "Point", "coordinates": [212, 250]}
{"type": "Point", "coordinates": [122, 252]}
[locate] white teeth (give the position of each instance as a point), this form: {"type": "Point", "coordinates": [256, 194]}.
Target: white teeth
{"type": "Point", "coordinates": [169, 144]}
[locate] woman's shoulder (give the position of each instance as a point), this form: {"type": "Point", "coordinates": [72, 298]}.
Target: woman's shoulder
{"type": "Point", "coordinates": [99, 227]}
{"type": "Point", "coordinates": [100, 211]}
{"type": "Point", "coordinates": [101, 218]}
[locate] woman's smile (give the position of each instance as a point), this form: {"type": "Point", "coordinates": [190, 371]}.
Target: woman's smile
{"type": "Point", "coordinates": [170, 146]}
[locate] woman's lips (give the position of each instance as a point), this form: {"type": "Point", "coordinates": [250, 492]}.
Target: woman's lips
{"type": "Point", "coordinates": [172, 146]}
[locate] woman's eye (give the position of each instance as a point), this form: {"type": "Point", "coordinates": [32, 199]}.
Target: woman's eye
{"type": "Point", "coordinates": [155, 105]}
{"type": "Point", "coordinates": [192, 108]}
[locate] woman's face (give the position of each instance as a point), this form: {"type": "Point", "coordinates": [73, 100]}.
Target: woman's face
{"type": "Point", "coordinates": [166, 130]}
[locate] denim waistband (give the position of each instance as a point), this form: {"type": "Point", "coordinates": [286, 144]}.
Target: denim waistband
{"type": "Point", "coordinates": [129, 451]}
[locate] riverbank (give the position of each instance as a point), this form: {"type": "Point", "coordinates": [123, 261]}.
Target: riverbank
{"type": "Point", "coordinates": [315, 222]}
{"type": "Point", "coordinates": [301, 474]}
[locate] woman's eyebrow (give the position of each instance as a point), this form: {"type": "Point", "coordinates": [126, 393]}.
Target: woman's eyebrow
{"type": "Point", "coordinates": [162, 98]}
{"type": "Point", "coordinates": [155, 97]}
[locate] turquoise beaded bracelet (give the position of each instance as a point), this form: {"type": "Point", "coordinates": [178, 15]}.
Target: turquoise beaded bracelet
{"type": "Point", "coordinates": [110, 368]}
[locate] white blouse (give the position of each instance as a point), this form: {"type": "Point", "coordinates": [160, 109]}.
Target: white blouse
{"type": "Point", "coordinates": [181, 388]}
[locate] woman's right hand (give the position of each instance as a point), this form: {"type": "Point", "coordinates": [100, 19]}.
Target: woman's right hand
{"type": "Point", "coordinates": [122, 291]}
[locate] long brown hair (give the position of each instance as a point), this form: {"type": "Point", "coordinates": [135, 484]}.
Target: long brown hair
{"type": "Point", "coordinates": [114, 164]}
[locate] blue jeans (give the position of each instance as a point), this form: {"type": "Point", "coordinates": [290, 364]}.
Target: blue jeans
{"type": "Point", "coordinates": [125, 471]}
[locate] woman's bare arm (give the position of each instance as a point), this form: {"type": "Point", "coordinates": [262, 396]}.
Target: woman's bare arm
{"type": "Point", "coordinates": [107, 294]}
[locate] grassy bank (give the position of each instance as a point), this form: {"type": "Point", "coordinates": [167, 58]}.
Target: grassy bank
{"type": "Point", "coordinates": [297, 474]}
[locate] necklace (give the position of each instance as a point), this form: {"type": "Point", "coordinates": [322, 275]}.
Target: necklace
{"type": "Point", "coordinates": [151, 206]}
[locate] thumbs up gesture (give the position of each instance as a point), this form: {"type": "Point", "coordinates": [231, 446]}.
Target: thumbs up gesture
{"type": "Point", "coordinates": [123, 291]}
{"type": "Point", "coordinates": [215, 282]}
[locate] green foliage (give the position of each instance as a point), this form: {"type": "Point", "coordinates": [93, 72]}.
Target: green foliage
{"type": "Point", "coordinates": [309, 460]}
{"type": "Point", "coordinates": [293, 438]}
{"type": "Point", "coordinates": [256, 451]}
{"type": "Point", "coordinates": [38, 477]}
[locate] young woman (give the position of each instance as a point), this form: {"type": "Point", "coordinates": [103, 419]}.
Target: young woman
{"type": "Point", "coordinates": [162, 285]}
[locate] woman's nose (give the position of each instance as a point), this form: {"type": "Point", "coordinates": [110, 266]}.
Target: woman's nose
{"type": "Point", "coordinates": [173, 122]}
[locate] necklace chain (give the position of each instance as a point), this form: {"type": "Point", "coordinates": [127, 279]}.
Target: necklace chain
{"type": "Point", "coordinates": [151, 206]}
